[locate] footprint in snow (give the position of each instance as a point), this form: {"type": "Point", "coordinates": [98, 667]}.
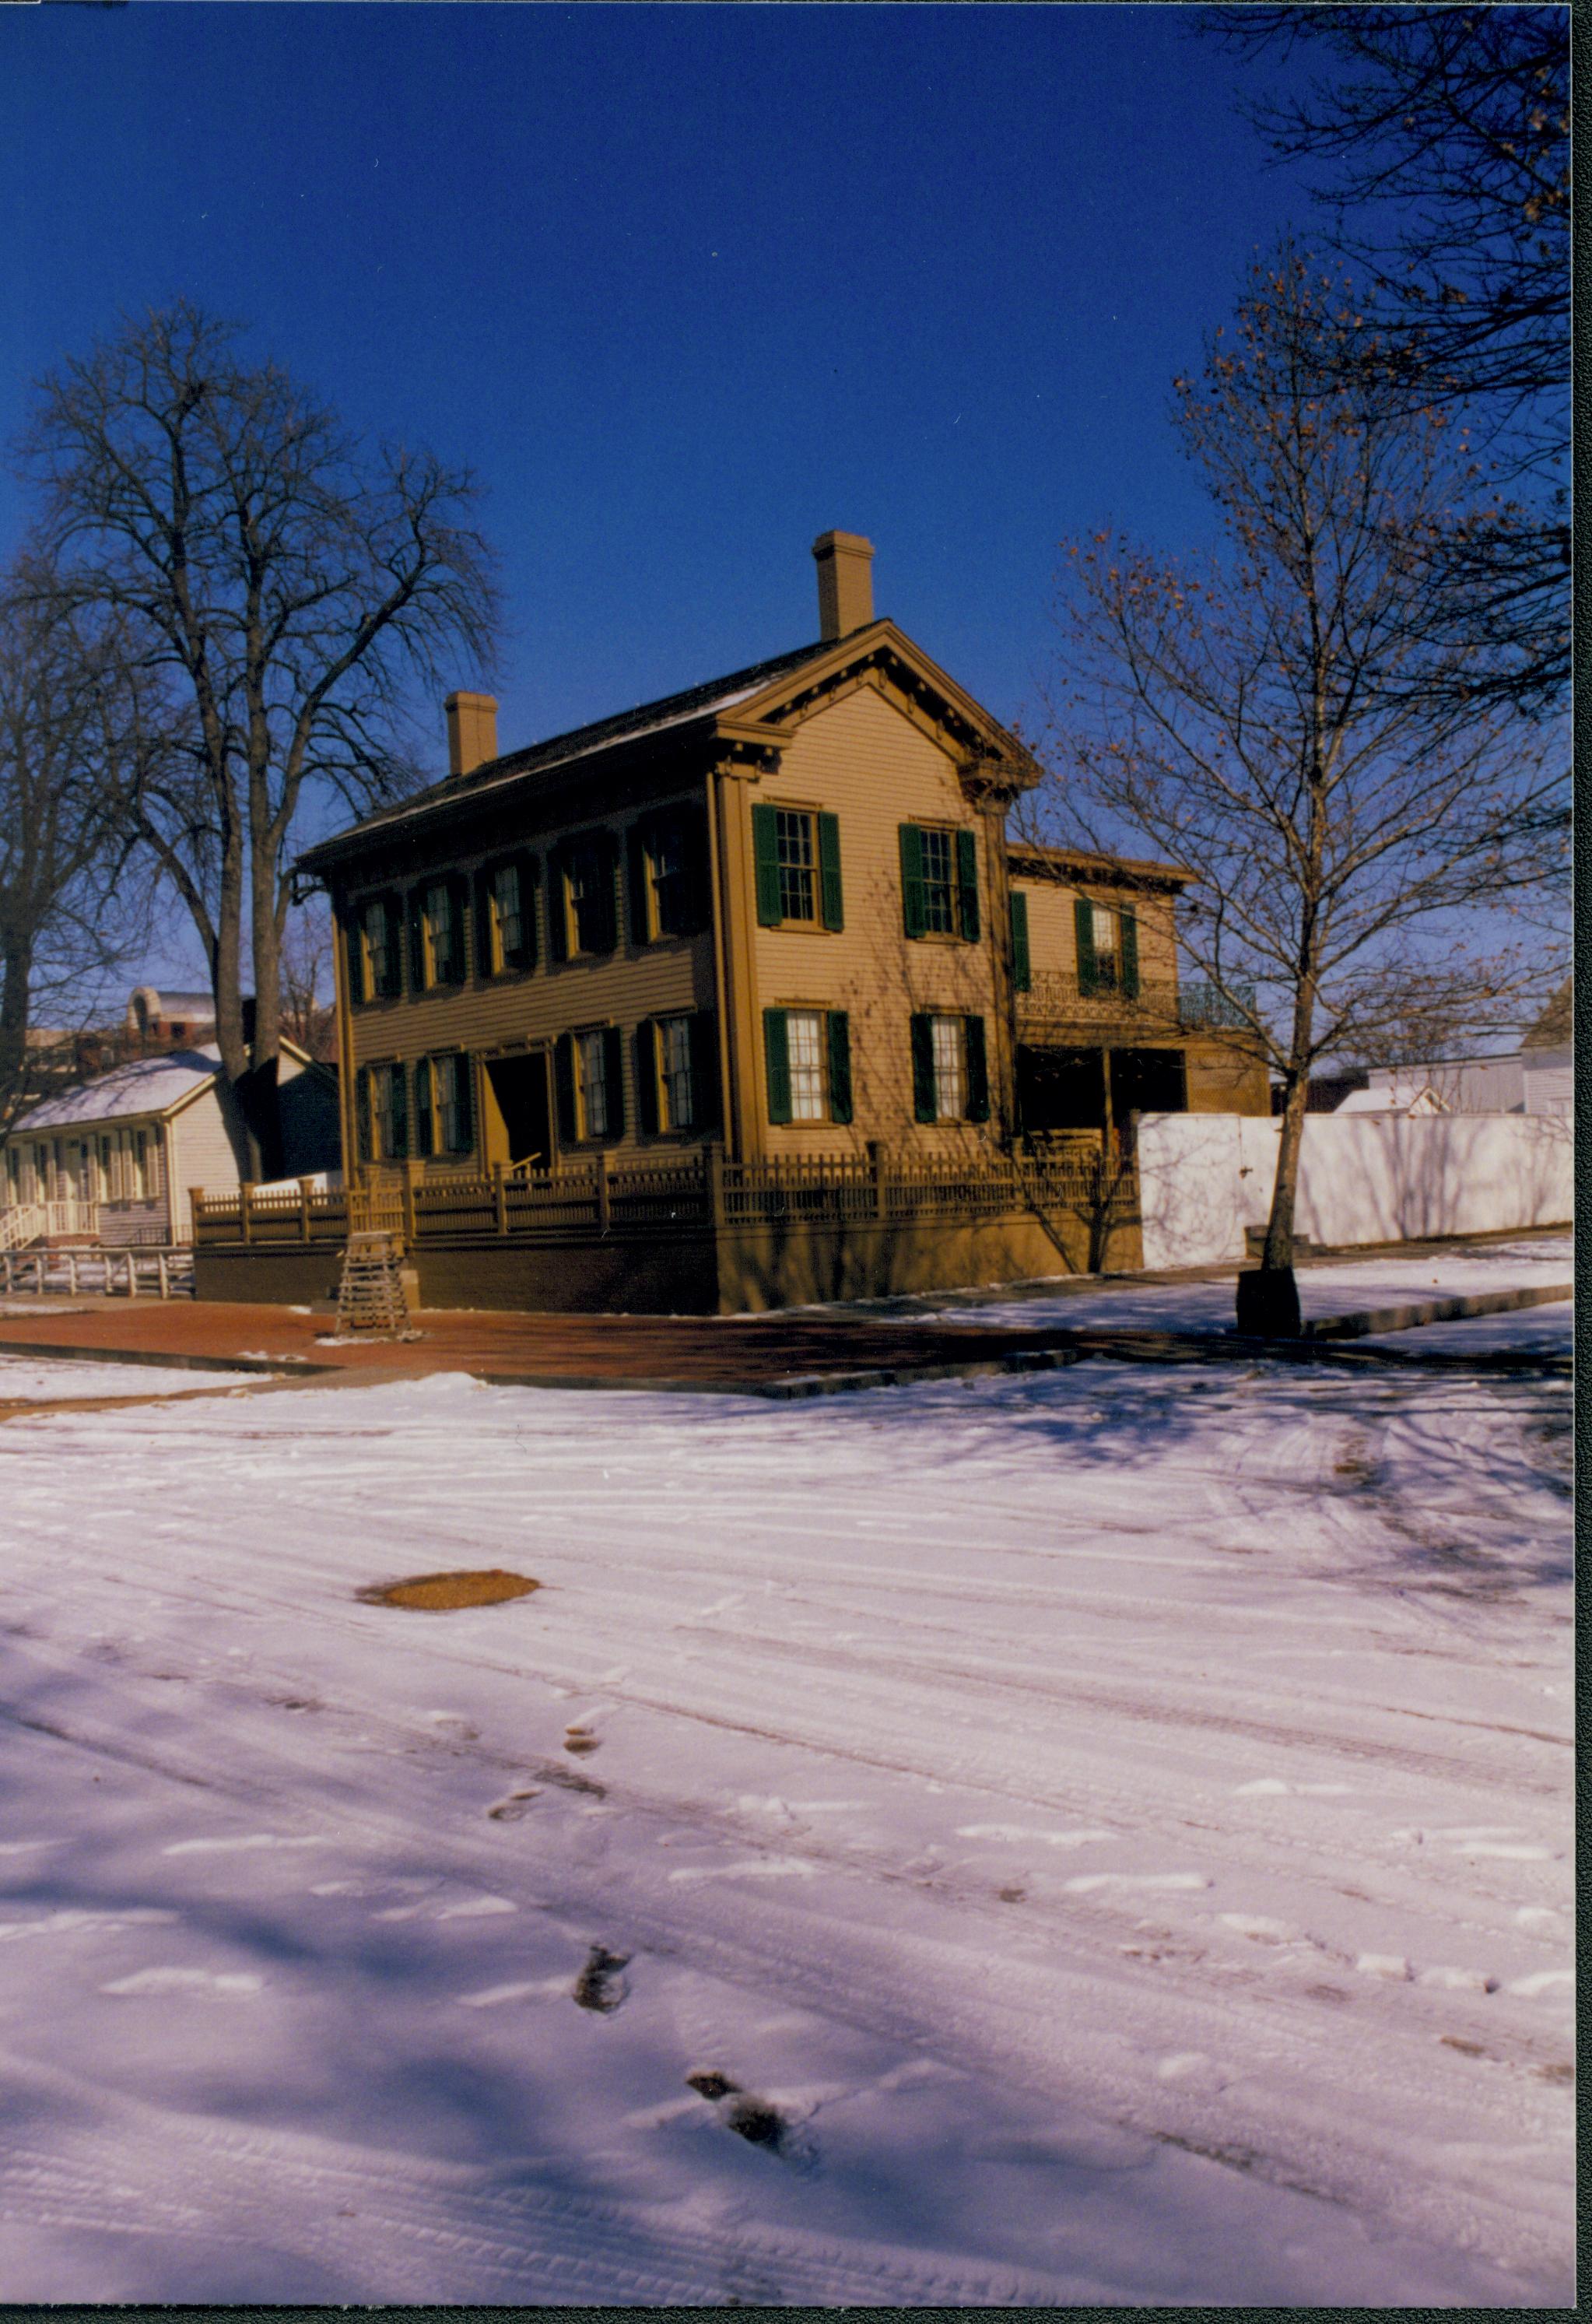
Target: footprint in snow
{"type": "Point", "coordinates": [602, 1985]}
{"type": "Point", "coordinates": [755, 2119]}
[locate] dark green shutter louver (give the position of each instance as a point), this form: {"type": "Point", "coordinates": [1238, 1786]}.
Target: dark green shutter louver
{"type": "Point", "coordinates": [966, 885]}
{"type": "Point", "coordinates": [640, 930]}
{"type": "Point", "coordinates": [776, 1060]}
{"type": "Point", "coordinates": [924, 1096]}
{"type": "Point", "coordinates": [1089, 977]}
{"type": "Point", "coordinates": [564, 1087]}
{"type": "Point", "coordinates": [463, 1106]}
{"type": "Point", "coordinates": [647, 1119]}
{"type": "Point", "coordinates": [458, 889]}
{"type": "Point", "coordinates": [840, 1065]}
{"type": "Point", "coordinates": [362, 1113]}
{"type": "Point", "coordinates": [485, 963]}
{"type": "Point", "coordinates": [704, 1071]}
{"type": "Point", "coordinates": [829, 872]}
{"type": "Point", "coordinates": [1022, 970]}
{"type": "Point", "coordinates": [417, 931]}
{"type": "Point", "coordinates": [425, 1122]}
{"type": "Point", "coordinates": [392, 920]}
{"type": "Point", "coordinates": [557, 908]}
{"type": "Point", "coordinates": [977, 1071]}
{"type": "Point", "coordinates": [604, 920]}
{"type": "Point", "coordinates": [613, 1075]}
{"type": "Point", "coordinates": [1127, 943]}
{"type": "Point", "coordinates": [765, 850]}
{"type": "Point", "coordinates": [911, 905]}
{"type": "Point", "coordinates": [523, 954]}
{"type": "Point", "coordinates": [698, 908]}
{"type": "Point", "coordinates": [354, 955]}
{"type": "Point", "coordinates": [399, 1092]}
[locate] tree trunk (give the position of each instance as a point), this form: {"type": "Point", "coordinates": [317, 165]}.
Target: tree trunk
{"type": "Point", "coordinates": [1268, 1295]}
{"type": "Point", "coordinates": [16, 962]}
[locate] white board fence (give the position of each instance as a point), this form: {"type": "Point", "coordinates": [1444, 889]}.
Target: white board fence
{"type": "Point", "coordinates": [1205, 1178]}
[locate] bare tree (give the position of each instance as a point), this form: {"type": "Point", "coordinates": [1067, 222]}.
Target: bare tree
{"type": "Point", "coordinates": [288, 584]}
{"type": "Point", "coordinates": [1282, 722]}
{"type": "Point", "coordinates": [72, 732]}
{"type": "Point", "coordinates": [1445, 137]}
{"type": "Point", "coordinates": [309, 1017]}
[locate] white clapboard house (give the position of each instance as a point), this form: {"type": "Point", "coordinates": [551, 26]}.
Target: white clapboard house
{"type": "Point", "coordinates": [114, 1161]}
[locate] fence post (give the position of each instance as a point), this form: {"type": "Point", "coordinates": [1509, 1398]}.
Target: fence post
{"type": "Point", "coordinates": [411, 1171]}
{"type": "Point", "coordinates": [600, 1165]}
{"type": "Point", "coordinates": [162, 1274]}
{"type": "Point", "coordinates": [715, 1186]}
{"type": "Point", "coordinates": [245, 1197]}
{"type": "Point", "coordinates": [72, 1272]}
{"type": "Point", "coordinates": [131, 1275]}
{"type": "Point", "coordinates": [304, 1210]}
{"type": "Point", "coordinates": [875, 1164]}
{"type": "Point", "coordinates": [499, 1196]}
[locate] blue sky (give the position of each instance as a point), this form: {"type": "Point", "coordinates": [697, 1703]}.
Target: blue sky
{"type": "Point", "coordinates": [687, 285]}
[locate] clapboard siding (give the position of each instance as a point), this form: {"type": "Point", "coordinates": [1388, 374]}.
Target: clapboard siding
{"type": "Point", "coordinates": [489, 1016]}
{"type": "Point", "coordinates": [865, 760]}
{"type": "Point", "coordinates": [1053, 926]}
{"type": "Point", "coordinates": [204, 1147]}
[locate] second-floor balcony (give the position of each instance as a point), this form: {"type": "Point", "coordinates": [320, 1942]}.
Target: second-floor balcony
{"type": "Point", "coordinates": [1151, 1008]}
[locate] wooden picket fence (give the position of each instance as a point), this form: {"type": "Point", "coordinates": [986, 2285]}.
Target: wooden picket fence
{"type": "Point", "coordinates": [699, 1191]}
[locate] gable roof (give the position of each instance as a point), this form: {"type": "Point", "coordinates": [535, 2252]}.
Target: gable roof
{"type": "Point", "coordinates": [764, 690]}
{"type": "Point", "coordinates": [147, 1085]}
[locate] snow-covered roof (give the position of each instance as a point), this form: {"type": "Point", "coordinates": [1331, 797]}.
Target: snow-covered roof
{"type": "Point", "coordinates": [147, 1085]}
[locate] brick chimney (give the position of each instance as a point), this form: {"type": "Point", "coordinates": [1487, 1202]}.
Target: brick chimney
{"type": "Point", "coordinates": [845, 582]}
{"type": "Point", "coordinates": [472, 732]}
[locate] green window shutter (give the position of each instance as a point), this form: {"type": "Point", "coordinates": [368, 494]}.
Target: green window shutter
{"type": "Point", "coordinates": [840, 1065]}
{"type": "Point", "coordinates": [698, 912]}
{"type": "Point", "coordinates": [417, 928]}
{"type": "Point", "coordinates": [613, 1074]}
{"type": "Point", "coordinates": [605, 934]}
{"type": "Point", "coordinates": [564, 1087]}
{"type": "Point", "coordinates": [765, 850]}
{"type": "Point", "coordinates": [647, 1077]}
{"type": "Point", "coordinates": [1127, 943]}
{"type": "Point", "coordinates": [481, 903]}
{"type": "Point", "coordinates": [524, 953]}
{"type": "Point", "coordinates": [354, 957]}
{"type": "Point", "coordinates": [911, 910]}
{"type": "Point", "coordinates": [401, 1112]}
{"type": "Point", "coordinates": [424, 1123]}
{"type": "Point", "coordinates": [640, 931]}
{"type": "Point", "coordinates": [977, 1071]}
{"type": "Point", "coordinates": [458, 889]}
{"type": "Point", "coordinates": [829, 872]}
{"type": "Point", "coordinates": [1022, 971]}
{"type": "Point", "coordinates": [464, 1085]}
{"type": "Point", "coordinates": [557, 908]}
{"type": "Point", "coordinates": [966, 885]}
{"type": "Point", "coordinates": [704, 1071]}
{"type": "Point", "coordinates": [777, 1059]}
{"type": "Point", "coordinates": [924, 1096]}
{"type": "Point", "coordinates": [361, 1113]}
{"type": "Point", "coordinates": [1087, 973]}
{"type": "Point", "coordinates": [392, 983]}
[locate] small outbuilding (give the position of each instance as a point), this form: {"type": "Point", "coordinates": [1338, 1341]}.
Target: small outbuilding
{"type": "Point", "coordinates": [114, 1161]}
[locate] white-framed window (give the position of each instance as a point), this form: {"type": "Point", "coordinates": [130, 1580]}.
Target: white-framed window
{"type": "Point", "coordinates": [676, 1088]}
{"type": "Point", "coordinates": [593, 1095]}
{"type": "Point", "coordinates": [804, 1035]}
{"type": "Point", "coordinates": [798, 864]}
{"type": "Point", "coordinates": [508, 914]}
{"type": "Point", "coordinates": [379, 945]}
{"type": "Point", "coordinates": [949, 1035]}
{"type": "Point", "coordinates": [939, 882]}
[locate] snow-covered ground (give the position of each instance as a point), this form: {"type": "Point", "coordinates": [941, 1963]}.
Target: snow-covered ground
{"type": "Point", "coordinates": [1342, 1287]}
{"type": "Point", "coordinates": [1117, 1824]}
{"type": "Point", "coordinates": [27, 1379]}
{"type": "Point", "coordinates": [1546, 1331]}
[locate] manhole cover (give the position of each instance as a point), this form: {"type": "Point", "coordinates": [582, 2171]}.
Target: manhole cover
{"type": "Point", "coordinates": [444, 1593]}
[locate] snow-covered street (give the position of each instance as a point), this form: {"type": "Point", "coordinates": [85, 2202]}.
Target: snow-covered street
{"type": "Point", "coordinates": [1100, 1837]}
